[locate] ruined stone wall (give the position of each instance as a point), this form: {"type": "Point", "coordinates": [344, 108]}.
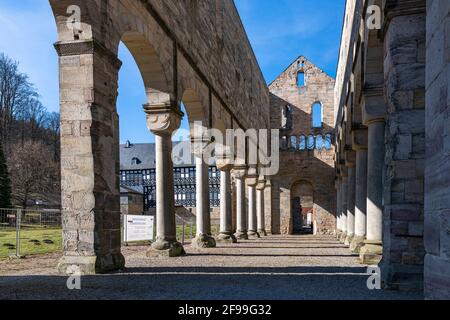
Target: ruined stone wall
{"type": "Point", "coordinates": [212, 34]}
{"type": "Point", "coordinates": [313, 166]}
{"type": "Point", "coordinates": [404, 90]}
{"type": "Point", "coordinates": [437, 164]}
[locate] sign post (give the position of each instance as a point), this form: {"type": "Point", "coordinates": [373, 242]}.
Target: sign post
{"type": "Point", "coordinates": [138, 228]}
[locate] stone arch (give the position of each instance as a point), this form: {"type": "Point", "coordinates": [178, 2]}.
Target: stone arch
{"type": "Point", "coordinates": [302, 206]}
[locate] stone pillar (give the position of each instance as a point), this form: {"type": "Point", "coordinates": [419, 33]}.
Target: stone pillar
{"type": "Point", "coordinates": [268, 217]}
{"type": "Point", "coordinates": [350, 206]}
{"type": "Point", "coordinates": [241, 214]}
{"type": "Point", "coordinates": [404, 93]}
{"type": "Point", "coordinates": [162, 120]}
{"type": "Point", "coordinates": [373, 114]}
{"type": "Point", "coordinates": [252, 181]}
{"type": "Point", "coordinates": [344, 187]}
{"type": "Point", "coordinates": [261, 223]}
{"type": "Point", "coordinates": [89, 158]}
{"type": "Point", "coordinates": [226, 225]}
{"type": "Point", "coordinates": [203, 237]}
{"type": "Point", "coordinates": [360, 201]}
{"type": "Point", "coordinates": [338, 208]}
{"type": "Point", "coordinates": [437, 166]}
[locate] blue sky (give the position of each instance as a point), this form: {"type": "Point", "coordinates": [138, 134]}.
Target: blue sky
{"type": "Point", "coordinates": [279, 31]}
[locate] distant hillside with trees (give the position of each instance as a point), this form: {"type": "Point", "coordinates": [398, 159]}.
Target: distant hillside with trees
{"type": "Point", "coordinates": [29, 142]}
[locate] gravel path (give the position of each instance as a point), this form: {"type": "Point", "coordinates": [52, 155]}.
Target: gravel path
{"type": "Point", "coordinates": [276, 267]}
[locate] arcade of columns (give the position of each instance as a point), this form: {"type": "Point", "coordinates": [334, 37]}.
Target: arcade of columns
{"type": "Point", "coordinates": [391, 102]}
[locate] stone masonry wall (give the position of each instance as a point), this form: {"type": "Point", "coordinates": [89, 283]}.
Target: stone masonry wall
{"type": "Point", "coordinates": [313, 166]}
{"type": "Point", "coordinates": [437, 164]}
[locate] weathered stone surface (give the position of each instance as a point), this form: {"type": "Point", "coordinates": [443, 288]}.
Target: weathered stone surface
{"type": "Point", "coordinates": [312, 167]}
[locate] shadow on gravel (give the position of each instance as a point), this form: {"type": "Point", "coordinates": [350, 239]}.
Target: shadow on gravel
{"type": "Point", "coordinates": [205, 283]}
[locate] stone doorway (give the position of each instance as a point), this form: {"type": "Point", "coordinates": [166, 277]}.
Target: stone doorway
{"type": "Point", "coordinates": [302, 195]}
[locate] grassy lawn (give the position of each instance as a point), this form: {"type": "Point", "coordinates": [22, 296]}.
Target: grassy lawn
{"type": "Point", "coordinates": [41, 241]}
{"type": "Point", "coordinates": [32, 241]}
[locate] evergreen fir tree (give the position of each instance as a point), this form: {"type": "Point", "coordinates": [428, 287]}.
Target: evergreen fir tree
{"type": "Point", "coordinates": [5, 183]}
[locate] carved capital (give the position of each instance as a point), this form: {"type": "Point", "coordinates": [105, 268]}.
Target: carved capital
{"type": "Point", "coordinates": [162, 119]}
{"type": "Point", "coordinates": [261, 183]}
{"type": "Point", "coordinates": [80, 47]}
{"type": "Point", "coordinates": [350, 158]}
{"type": "Point", "coordinates": [252, 177]}
{"type": "Point", "coordinates": [360, 139]}
{"type": "Point", "coordinates": [224, 158]}
{"type": "Point", "coordinates": [374, 106]}
{"type": "Point", "coordinates": [239, 172]}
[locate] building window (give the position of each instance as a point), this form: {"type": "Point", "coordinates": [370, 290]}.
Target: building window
{"type": "Point", "coordinates": [302, 143]}
{"type": "Point", "coordinates": [135, 161]}
{"type": "Point", "coordinates": [294, 143]}
{"type": "Point", "coordinates": [311, 142]}
{"type": "Point", "coordinates": [328, 142]}
{"type": "Point", "coordinates": [301, 79]}
{"type": "Point", "coordinates": [319, 142]}
{"type": "Point", "coordinates": [286, 117]}
{"type": "Point", "coordinates": [317, 115]}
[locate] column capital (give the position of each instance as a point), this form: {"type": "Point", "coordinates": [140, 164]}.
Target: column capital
{"type": "Point", "coordinates": [350, 158]}
{"type": "Point", "coordinates": [224, 158]}
{"type": "Point", "coordinates": [239, 172]}
{"type": "Point", "coordinates": [373, 106]}
{"type": "Point", "coordinates": [163, 118]}
{"type": "Point", "coordinates": [252, 176]}
{"type": "Point", "coordinates": [261, 183]}
{"type": "Point", "coordinates": [360, 139]}
{"type": "Point", "coordinates": [79, 47]}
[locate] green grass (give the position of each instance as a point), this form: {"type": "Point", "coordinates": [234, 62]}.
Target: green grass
{"type": "Point", "coordinates": [41, 241]}
{"type": "Point", "coordinates": [32, 241]}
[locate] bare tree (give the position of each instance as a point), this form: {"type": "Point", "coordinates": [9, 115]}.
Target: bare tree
{"type": "Point", "coordinates": [34, 171]}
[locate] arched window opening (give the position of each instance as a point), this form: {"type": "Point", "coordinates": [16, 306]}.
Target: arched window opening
{"type": "Point", "coordinates": [294, 143]}
{"type": "Point", "coordinates": [284, 143]}
{"type": "Point", "coordinates": [317, 115]}
{"type": "Point", "coordinates": [302, 143]}
{"type": "Point", "coordinates": [319, 142]}
{"type": "Point", "coordinates": [286, 117]}
{"type": "Point", "coordinates": [311, 142]}
{"type": "Point", "coordinates": [328, 142]}
{"type": "Point", "coordinates": [301, 79]}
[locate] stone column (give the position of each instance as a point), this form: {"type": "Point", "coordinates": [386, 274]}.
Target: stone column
{"type": "Point", "coordinates": [360, 145]}
{"type": "Point", "coordinates": [344, 187]}
{"type": "Point", "coordinates": [89, 158]}
{"type": "Point", "coordinates": [162, 120]}
{"type": "Point", "coordinates": [261, 223]}
{"type": "Point", "coordinates": [373, 114]}
{"type": "Point", "coordinates": [241, 214]}
{"type": "Point", "coordinates": [226, 225]}
{"type": "Point", "coordinates": [338, 208]}
{"type": "Point", "coordinates": [350, 163]}
{"type": "Point", "coordinates": [203, 237]}
{"type": "Point", "coordinates": [268, 217]}
{"type": "Point", "coordinates": [252, 181]}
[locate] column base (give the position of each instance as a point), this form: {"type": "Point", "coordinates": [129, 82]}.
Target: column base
{"type": "Point", "coordinates": [357, 244]}
{"type": "Point", "coordinates": [226, 238]}
{"type": "Point", "coordinates": [349, 239]}
{"type": "Point", "coordinates": [163, 248]}
{"type": "Point", "coordinates": [262, 233]}
{"type": "Point", "coordinates": [343, 237]}
{"type": "Point", "coordinates": [91, 265]}
{"type": "Point", "coordinates": [203, 241]}
{"type": "Point", "coordinates": [371, 253]}
{"type": "Point", "coordinates": [338, 234]}
{"type": "Point", "coordinates": [253, 235]}
{"type": "Point", "coordinates": [241, 235]}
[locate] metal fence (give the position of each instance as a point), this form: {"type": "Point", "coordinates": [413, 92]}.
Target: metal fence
{"type": "Point", "coordinates": [27, 232]}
